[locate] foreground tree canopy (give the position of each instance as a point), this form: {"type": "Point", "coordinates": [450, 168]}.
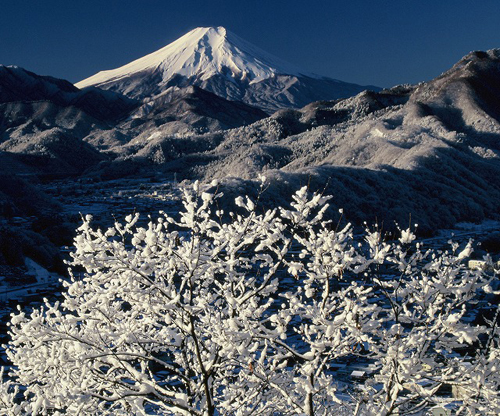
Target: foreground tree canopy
{"type": "Point", "coordinates": [252, 313]}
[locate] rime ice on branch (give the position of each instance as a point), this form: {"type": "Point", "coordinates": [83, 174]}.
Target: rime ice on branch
{"type": "Point", "coordinates": [190, 316]}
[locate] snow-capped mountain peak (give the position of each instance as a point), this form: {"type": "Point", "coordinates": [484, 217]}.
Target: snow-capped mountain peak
{"type": "Point", "coordinates": [217, 60]}
{"type": "Point", "coordinates": [203, 53]}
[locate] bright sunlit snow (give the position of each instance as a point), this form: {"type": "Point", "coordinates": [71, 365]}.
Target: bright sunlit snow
{"type": "Point", "coordinates": [204, 52]}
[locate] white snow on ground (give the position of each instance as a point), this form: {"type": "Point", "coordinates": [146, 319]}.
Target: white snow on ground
{"type": "Point", "coordinates": [34, 269]}
{"type": "Point", "coordinates": [42, 275]}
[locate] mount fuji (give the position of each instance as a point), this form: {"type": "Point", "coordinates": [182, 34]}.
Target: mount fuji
{"type": "Point", "coordinates": [219, 61]}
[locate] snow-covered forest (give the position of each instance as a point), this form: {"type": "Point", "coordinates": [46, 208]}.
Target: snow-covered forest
{"type": "Point", "coordinates": [257, 312]}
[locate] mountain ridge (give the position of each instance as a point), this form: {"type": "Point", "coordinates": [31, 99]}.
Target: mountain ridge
{"type": "Point", "coordinates": [431, 150]}
{"type": "Point", "coordinates": [219, 61]}
{"type": "Point", "coordinates": [20, 85]}
{"type": "Point", "coordinates": [385, 154]}
{"type": "Point", "coordinates": [204, 52]}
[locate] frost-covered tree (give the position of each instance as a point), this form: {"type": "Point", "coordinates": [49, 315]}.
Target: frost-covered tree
{"type": "Point", "coordinates": [245, 313]}
{"type": "Point", "coordinates": [423, 343]}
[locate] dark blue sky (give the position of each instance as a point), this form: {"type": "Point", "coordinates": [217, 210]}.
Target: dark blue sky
{"type": "Point", "coordinates": [379, 42]}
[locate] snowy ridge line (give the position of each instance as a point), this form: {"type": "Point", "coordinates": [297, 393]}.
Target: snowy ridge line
{"type": "Point", "coordinates": [204, 52]}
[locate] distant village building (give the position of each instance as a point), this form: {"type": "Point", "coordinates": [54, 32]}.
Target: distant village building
{"type": "Point", "coordinates": [447, 409]}
{"type": "Point", "coordinates": [477, 264]}
{"type": "Point", "coordinates": [484, 265]}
